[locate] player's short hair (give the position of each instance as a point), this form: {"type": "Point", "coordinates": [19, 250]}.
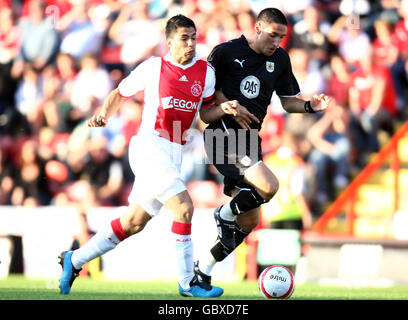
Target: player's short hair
{"type": "Point", "coordinates": [178, 21]}
{"type": "Point", "coordinates": [270, 15]}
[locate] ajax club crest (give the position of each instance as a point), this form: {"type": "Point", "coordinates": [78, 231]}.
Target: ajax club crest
{"type": "Point", "coordinates": [270, 66]}
{"type": "Point", "coordinates": [196, 89]}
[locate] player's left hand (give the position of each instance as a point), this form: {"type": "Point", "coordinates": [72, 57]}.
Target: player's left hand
{"type": "Point", "coordinates": [319, 102]}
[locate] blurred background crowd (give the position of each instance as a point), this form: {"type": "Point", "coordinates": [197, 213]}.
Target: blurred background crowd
{"type": "Point", "coordinates": [59, 59]}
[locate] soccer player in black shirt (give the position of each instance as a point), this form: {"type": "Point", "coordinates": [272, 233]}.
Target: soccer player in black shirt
{"type": "Point", "coordinates": [248, 71]}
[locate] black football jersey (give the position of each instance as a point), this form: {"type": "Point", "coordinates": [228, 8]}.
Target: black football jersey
{"type": "Point", "coordinates": [251, 78]}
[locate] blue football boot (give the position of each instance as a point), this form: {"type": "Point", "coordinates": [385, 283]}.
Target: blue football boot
{"type": "Point", "coordinates": [69, 273]}
{"type": "Point", "coordinates": [196, 290]}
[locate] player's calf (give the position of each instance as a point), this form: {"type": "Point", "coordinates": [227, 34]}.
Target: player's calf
{"type": "Point", "coordinates": [245, 200]}
{"type": "Point", "coordinates": [219, 251]}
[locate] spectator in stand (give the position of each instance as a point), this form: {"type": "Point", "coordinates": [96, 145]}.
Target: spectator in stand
{"type": "Point", "coordinates": [77, 159]}
{"type": "Point", "coordinates": [352, 41]}
{"type": "Point", "coordinates": [308, 75]}
{"type": "Point", "coordinates": [211, 32]}
{"type": "Point", "coordinates": [246, 21]}
{"type": "Point", "coordinates": [92, 84]}
{"type": "Point", "coordinates": [373, 104]}
{"type": "Point", "coordinates": [330, 154]}
{"type": "Point", "coordinates": [272, 128]}
{"type": "Point", "coordinates": [400, 35]}
{"type": "Point", "coordinates": [309, 78]}
{"type": "Point", "coordinates": [117, 144]}
{"type": "Point", "coordinates": [7, 172]}
{"type": "Point", "coordinates": [51, 113]}
{"type": "Point", "coordinates": [138, 35]}
{"type": "Point", "coordinates": [400, 40]}
{"type": "Point", "coordinates": [289, 209]}
{"type": "Point", "coordinates": [28, 100]}
{"type": "Point", "coordinates": [338, 83]}
{"type": "Point", "coordinates": [10, 37]}
{"type": "Point", "coordinates": [386, 53]}
{"type": "Point", "coordinates": [66, 73]}
{"type": "Point", "coordinates": [132, 111]}
{"type": "Point", "coordinates": [123, 126]}
{"type": "Point", "coordinates": [39, 42]}
{"type": "Point", "coordinates": [105, 172]}
{"type": "Point", "coordinates": [230, 28]}
{"type": "Point", "coordinates": [31, 185]}
{"type": "Point", "coordinates": [311, 34]}
{"type": "Point", "coordinates": [80, 34]}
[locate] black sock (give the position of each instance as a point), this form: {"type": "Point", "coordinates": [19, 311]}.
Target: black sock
{"type": "Point", "coordinates": [219, 252]}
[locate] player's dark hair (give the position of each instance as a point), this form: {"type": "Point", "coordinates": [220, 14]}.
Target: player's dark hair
{"type": "Point", "coordinates": [270, 15]}
{"type": "Point", "coordinates": [178, 21]}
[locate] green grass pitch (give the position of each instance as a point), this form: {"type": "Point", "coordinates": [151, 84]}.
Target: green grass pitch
{"type": "Point", "coordinates": [17, 287]}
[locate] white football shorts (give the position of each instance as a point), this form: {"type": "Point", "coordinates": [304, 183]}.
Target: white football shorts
{"type": "Point", "coordinates": [156, 163]}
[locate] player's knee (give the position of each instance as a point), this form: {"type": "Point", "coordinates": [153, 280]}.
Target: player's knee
{"type": "Point", "coordinates": [133, 226]}
{"type": "Point", "coordinates": [268, 191]}
{"type": "Point", "coordinates": [245, 200]}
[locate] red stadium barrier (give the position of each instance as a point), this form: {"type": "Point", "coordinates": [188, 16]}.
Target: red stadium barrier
{"type": "Point", "coordinates": [348, 196]}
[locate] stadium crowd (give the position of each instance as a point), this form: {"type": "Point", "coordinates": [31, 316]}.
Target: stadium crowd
{"type": "Point", "coordinates": [59, 59]}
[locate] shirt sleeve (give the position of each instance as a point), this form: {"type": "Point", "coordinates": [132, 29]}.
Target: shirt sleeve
{"type": "Point", "coordinates": [287, 85]}
{"type": "Point", "coordinates": [216, 60]}
{"type": "Point", "coordinates": [136, 80]}
{"type": "Point", "coordinates": [209, 89]}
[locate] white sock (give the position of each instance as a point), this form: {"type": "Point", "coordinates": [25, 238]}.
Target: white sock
{"type": "Point", "coordinates": [207, 263]}
{"type": "Point", "coordinates": [226, 213]}
{"type": "Point", "coordinates": [183, 247]}
{"type": "Point", "coordinates": [103, 241]}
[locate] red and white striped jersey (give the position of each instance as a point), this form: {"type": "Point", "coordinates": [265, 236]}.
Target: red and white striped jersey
{"type": "Point", "coordinates": [173, 94]}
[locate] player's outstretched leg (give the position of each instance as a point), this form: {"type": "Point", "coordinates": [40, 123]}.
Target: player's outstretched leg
{"type": "Point", "coordinates": [197, 290]}
{"type": "Point", "coordinates": [69, 273]}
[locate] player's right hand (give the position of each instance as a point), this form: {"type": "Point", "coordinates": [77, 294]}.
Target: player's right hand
{"type": "Point", "coordinates": [230, 107]}
{"type": "Point", "coordinates": [97, 121]}
{"type": "Point", "coordinates": [241, 114]}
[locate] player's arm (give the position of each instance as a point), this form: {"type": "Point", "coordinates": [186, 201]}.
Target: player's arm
{"type": "Point", "coordinates": [318, 103]}
{"type": "Point", "coordinates": [110, 107]}
{"type": "Point", "coordinates": [214, 112]}
{"type": "Point", "coordinates": [224, 106]}
{"type": "Point", "coordinates": [129, 86]}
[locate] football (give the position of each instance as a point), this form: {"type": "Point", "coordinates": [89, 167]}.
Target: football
{"type": "Point", "coordinates": [276, 282]}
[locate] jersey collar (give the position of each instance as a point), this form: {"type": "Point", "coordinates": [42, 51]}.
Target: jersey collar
{"type": "Point", "coordinates": [170, 59]}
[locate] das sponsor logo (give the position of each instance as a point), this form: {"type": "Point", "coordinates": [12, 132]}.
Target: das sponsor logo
{"type": "Point", "coordinates": [250, 87]}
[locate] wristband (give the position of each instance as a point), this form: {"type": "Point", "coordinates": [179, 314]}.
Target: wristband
{"type": "Point", "coordinates": [308, 107]}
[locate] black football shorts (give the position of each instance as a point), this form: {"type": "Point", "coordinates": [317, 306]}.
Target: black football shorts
{"type": "Point", "coordinates": [232, 151]}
